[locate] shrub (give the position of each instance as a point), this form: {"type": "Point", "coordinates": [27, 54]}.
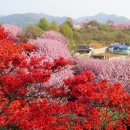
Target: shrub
{"type": "Point", "coordinates": [3, 33]}
{"type": "Point", "coordinates": [82, 104]}
{"type": "Point", "coordinates": [112, 70]}
{"type": "Point", "coordinates": [43, 24]}
{"type": "Point", "coordinates": [18, 74]}
{"type": "Point", "coordinates": [53, 35]}
{"type": "Point", "coordinates": [97, 105]}
{"type": "Point", "coordinates": [51, 48]}
{"type": "Point", "coordinates": [8, 47]}
{"type": "Point", "coordinates": [12, 30]}
{"type": "Point", "coordinates": [27, 101]}
{"type": "Point", "coordinates": [53, 45]}
{"type": "Point", "coordinates": [31, 32]}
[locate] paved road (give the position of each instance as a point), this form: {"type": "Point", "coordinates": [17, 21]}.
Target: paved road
{"type": "Point", "coordinates": [100, 50]}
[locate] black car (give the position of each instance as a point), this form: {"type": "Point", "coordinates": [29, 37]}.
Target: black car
{"type": "Point", "coordinates": [84, 48]}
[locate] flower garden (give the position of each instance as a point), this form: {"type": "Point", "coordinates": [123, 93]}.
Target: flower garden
{"type": "Point", "coordinates": [44, 87]}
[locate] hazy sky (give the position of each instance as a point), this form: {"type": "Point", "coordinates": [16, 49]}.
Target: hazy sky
{"type": "Point", "coordinates": [72, 8]}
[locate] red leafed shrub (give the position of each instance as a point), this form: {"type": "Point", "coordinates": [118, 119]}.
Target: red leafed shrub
{"type": "Point", "coordinates": [80, 104]}
{"type": "Point", "coordinates": [3, 34]}
{"type": "Point", "coordinates": [53, 45]}
{"type": "Point", "coordinates": [27, 102]}
{"type": "Point", "coordinates": [8, 48]}
{"type": "Point", "coordinates": [17, 75]}
{"type": "Point", "coordinates": [27, 47]}
{"type": "Point", "coordinates": [98, 105]}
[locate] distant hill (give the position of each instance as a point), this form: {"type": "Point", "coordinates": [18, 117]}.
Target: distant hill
{"type": "Point", "coordinates": [32, 18]}
{"type": "Point", "coordinates": [29, 18]}
{"type": "Point", "coordinates": [103, 18]}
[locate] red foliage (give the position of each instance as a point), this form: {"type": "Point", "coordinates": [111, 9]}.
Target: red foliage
{"type": "Point", "coordinates": [104, 106]}
{"type": "Point", "coordinates": [27, 47]}
{"type": "Point", "coordinates": [3, 34]}
{"type": "Point", "coordinates": [18, 74]}
{"type": "Point", "coordinates": [81, 104]}
{"type": "Point", "coordinates": [8, 48]}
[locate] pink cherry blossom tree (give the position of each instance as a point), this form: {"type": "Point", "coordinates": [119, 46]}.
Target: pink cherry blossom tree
{"type": "Point", "coordinates": [51, 48]}
{"type": "Point", "coordinates": [53, 45]}
{"type": "Point", "coordinates": [120, 26]}
{"type": "Point", "coordinates": [12, 30]}
{"type": "Point", "coordinates": [53, 35]}
{"type": "Point", "coordinates": [113, 70]}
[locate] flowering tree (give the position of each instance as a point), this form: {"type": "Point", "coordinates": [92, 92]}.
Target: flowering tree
{"type": "Point", "coordinates": [26, 47]}
{"type": "Point", "coordinates": [56, 79]}
{"type": "Point", "coordinates": [12, 30]}
{"type": "Point", "coordinates": [53, 35]}
{"type": "Point", "coordinates": [8, 48]}
{"type": "Point", "coordinates": [6, 32]}
{"type": "Point", "coordinates": [120, 26]}
{"type": "Point", "coordinates": [3, 34]}
{"type": "Point", "coordinates": [52, 45]}
{"type": "Point", "coordinates": [97, 105]}
{"type": "Point", "coordinates": [83, 104]}
{"type": "Point", "coordinates": [51, 48]}
{"type": "Point", "coordinates": [17, 75]}
{"type": "Point", "coordinates": [28, 99]}
{"type": "Point", "coordinates": [112, 70]}
{"type": "Point", "coordinates": [8, 45]}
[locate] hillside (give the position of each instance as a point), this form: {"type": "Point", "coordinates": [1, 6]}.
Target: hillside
{"type": "Point", "coordinates": [32, 18]}
{"type": "Point", "coordinates": [103, 18]}
{"type": "Point", "coordinates": [29, 18]}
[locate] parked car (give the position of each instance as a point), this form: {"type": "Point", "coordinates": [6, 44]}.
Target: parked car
{"type": "Point", "coordinates": [119, 48]}
{"type": "Point", "coordinates": [84, 49]}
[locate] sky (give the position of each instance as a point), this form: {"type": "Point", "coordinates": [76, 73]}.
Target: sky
{"type": "Point", "coordinates": [71, 8]}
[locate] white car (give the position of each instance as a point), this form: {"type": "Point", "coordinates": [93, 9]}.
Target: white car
{"type": "Point", "coordinates": [119, 48]}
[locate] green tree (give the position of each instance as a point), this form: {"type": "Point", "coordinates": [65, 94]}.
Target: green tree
{"type": "Point", "coordinates": [109, 21]}
{"type": "Point", "coordinates": [121, 37]}
{"type": "Point", "coordinates": [54, 26]}
{"type": "Point", "coordinates": [105, 27]}
{"type": "Point", "coordinates": [67, 31]}
{"type": "Point", "coordinates": [31, 31]}
{"type": "Point", "coordinates": [43, 24]}
{"type": "Point", "coordinates": [73, 46]}
{"type": "Point", "coordinates": [70, 22]}
{"type": "Point", "coordinates": [94, 23]}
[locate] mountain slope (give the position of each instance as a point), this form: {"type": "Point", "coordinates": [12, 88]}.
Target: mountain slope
{"type": "Point", "coordinates": [29, 18]}
{"type": "Point", "coordinates": [103, 18]}
{"type": "Point", "coordinates": [32, 18]}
